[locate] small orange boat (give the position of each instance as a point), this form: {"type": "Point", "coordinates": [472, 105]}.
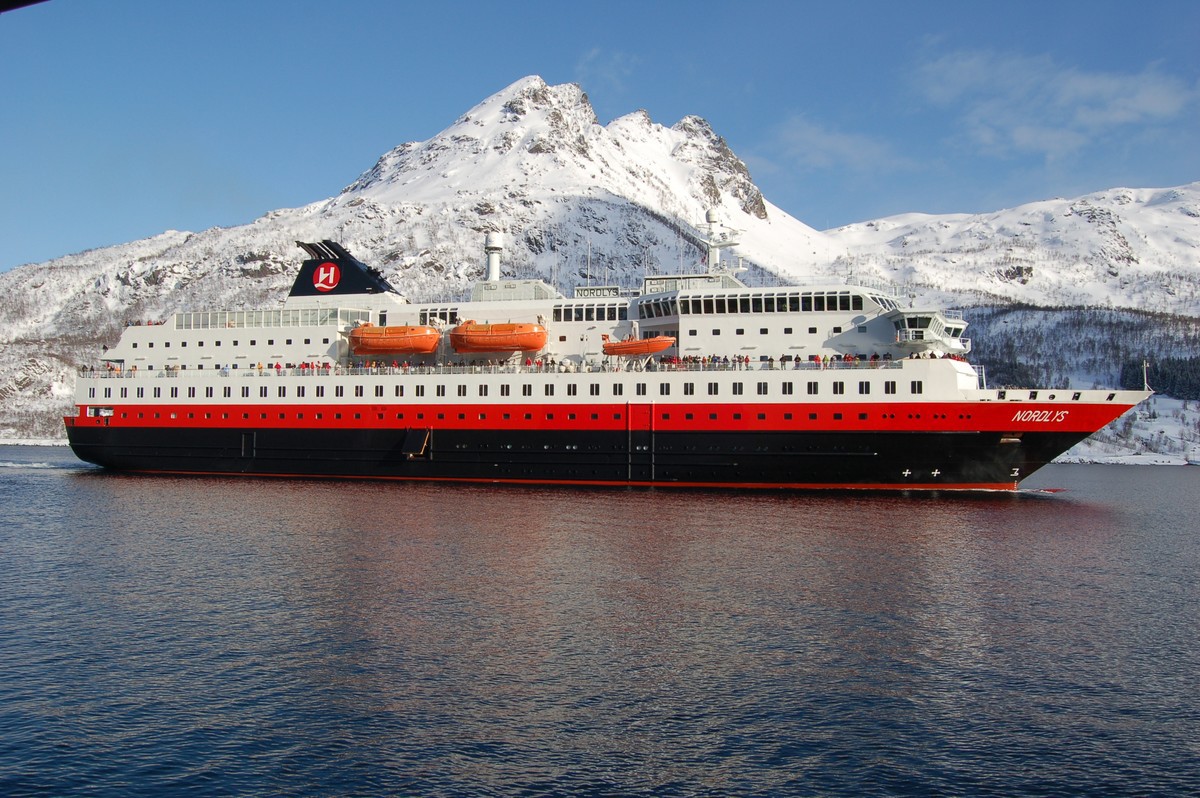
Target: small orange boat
{"type": "Point", "coordinates": [633, 347]}
{"type": "Point", "coordinates": [471, 336]}
{"type": "Point", "coordinates": [404, 340]}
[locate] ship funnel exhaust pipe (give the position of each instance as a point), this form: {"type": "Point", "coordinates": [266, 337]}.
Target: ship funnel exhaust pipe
{"type": "Point", "coordinates": [492, 245]}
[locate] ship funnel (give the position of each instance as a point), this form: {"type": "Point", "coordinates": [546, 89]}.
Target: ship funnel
{"type": "Point", "coordinates": [492, 245]}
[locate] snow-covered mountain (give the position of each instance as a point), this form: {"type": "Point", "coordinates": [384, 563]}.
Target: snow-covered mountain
{"type": "Point", "coordinates": [582, 201]}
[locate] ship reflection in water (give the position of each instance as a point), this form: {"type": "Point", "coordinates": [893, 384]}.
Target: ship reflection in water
{"type": "Point", "coordinates": [310, 637]}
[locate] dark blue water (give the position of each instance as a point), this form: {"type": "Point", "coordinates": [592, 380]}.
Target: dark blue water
{"type": "Point", "coordinates": [173, 636]}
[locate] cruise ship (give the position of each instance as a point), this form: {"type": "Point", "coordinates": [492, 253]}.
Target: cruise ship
{"type": "Point", "coordinates": [693, 381]}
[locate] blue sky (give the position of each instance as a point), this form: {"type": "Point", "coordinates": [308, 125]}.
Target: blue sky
{"type": "Point", "coordinates": [125, 118]}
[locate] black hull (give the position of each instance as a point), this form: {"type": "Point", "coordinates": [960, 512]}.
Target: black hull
{"type": "Point", "coordinates": [838, 460]}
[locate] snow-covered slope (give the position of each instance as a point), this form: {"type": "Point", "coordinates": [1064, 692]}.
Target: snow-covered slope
{"type": "Point", "coordinates": [1131, 248]}
{"type": "Point", "coordinates": [579, 200]}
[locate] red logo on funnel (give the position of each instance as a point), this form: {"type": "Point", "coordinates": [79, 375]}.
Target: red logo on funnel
{"type": "Point", "coordinates": [326, 277]}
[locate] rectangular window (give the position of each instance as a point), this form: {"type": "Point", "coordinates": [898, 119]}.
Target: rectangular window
{"type": "Point", "coordinates": [889, 387]}
{"type": "Point", "coordinates": [379, 391]}
{"type": "Point", "coordinates": [762, 389]}
{"type": "Point", "coordinates": [549, 390]}
{"type": "Point", "coordinates": [440, 390]}
{"type": "Point", "coordinates": [339, 391]}
{"type": "Point", "coordinates": [712, 389]}
{"type": "Point", "coordinates": [618, 389]}
{"type": "Point", "coordinates": [917, 386]}
{"type": "Point", "coordinates": [282, 391]}
{"type": "Point", "coordinates": [300, 391]}
{"type": "Point", "coordinates": [321, 391]}
{"type": "Point", "coordinates": [420, 390]}
{"type": "Point", "coordinates": [483, 390]}
{"type": "Point", "coordinates": [812, 389]}
{"type": "Point", "coordinates": [864, 387]}
{"type": "Point", "coordinates": [787, 389]}
{"type": "Point", "coordinates": [572, 389]}
{"type": "Point", "coordinates": [839, 388]}
{"type": "Point", "coordinates": [505, 390]}
{"type": "Point", "coordinates": [358, 390]}
{"type": "Point", "coordinates": [689, 389]}
{"type": "Point", "coordinates": [594, 389]}
{"type": "Point", "coordinates": [526, 390]}
{"type": "Point", "coordinates": [737, 389]}
{"type": "Point", "coordinates": [641, 389]}
{"type": "Point", "coordinates": [664, 389]}
{"type": "Point", "coordinates": [399, 391]}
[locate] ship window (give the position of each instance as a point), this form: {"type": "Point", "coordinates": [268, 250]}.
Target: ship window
{"type": "Point", "coordinates": [578, 314]}
{"type": "Point", "coordinates": [837, 329]}
{"type": "Point", "coordinates": [440, 390]}
{"type": "Point", "coordinates": [549, 390]}
{"type": "Point", "coordinates": [288, 342]}
{"type": "Point", "coordinates": [687, 416]}
{"type": "Point", "coordinates": [691, 332]}
{"type": "Point", "coordinates": [135, 345]}
{"type": "Point", "coordinates": [787, 389]}
{"type": "Point", "coordinates": [737, 389]}
{"type": "Point", "coordinates": [664, 389]}
{"type": "Point", "coordinates": [462, 390]}
{"type": "Point", "coordinates": [917, 387]}
{"type": "Point", "coordinates": [526, 390]}
{"type": "Point", "coordinates": [812, 389]}
{"type": "Point", "coordinates": [762, 330]}
{"type": "Point", "coordinates": [270, 342]}
{"type": "Point", "coordinates": [819, 302]}
{"type": "Point", "coordinates": [505, 390]}
{"type": "Point", "coordinates": [839, 388]}
{"type": "Point", "coordinates": [762, 389]}
{"type": "Point", "coordinates": [323, 340]}
{"type": "Point", "coordinates": [262, 391]}
{"type": "Point", "coordinates": [141, 392]}
{"type": "Point", "coordinates": [720, 304]}
{"type": "Point", "coordinates": [641, 389]}
{"type": "Point", "coordinates": [889, 387]}
{"type": "Point", "coordinates": [689, 388]}
{"type": "Point", "coordinates": [358, 390]}
{"type": "Point", "coordinates": [483, 390]}
{"type": "Point", "coordinates": [844, 302]}
{"type": "Point", "coordinates": [737, 416]}
{"type": "Point", "coordinates": [379, 390]}
{"type": "Point", "coordinates": [253, 342]}
{"type": "Point", "coordinates": [208, 392]}
{"type": "Point", "coordinates": [300, 391]}
{"type": "Point", "coordinates": [708, 305]}
{"type": "Point", "coordinates": [864, 387]}
{"type": "Point", "coordinates": [716, 332]}
{"type": "Point", "coordinates": [183, 344]}
{"type": "Point", "coordinates": [618, 389]}
{"type": "Point", "coordinates": [812, 330]}
{"type": "Point", "coordinates": [572, 389]}
{"type": "Point", "coordinates": [594, 389]}
{"type": "Point", "coordinates": [151, 344]}
{"type": "Point", "coordinates": [399, 391]}
{"type": "Point", "coordinates": [712, 389]}
{"type": "Point", "coordinates": [1033, 394]}
{"type": "Point", "coordinates": [321, 390]}
{"type": "Point", "coordinates": [420, 390]}
{"type": "Point", "coordinates": [167, 344]}
{"type": "Point", "coordinates": [837, 416]}
{"type": "Point", "coordinates": [856, 302]}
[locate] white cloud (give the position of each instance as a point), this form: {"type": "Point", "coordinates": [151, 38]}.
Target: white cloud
{"type": "Point", "coordinates": [610, 68]}
{"type": "Point", "coordinates": [1011, 104]}
{"type": "Point", "coordinates": [812, 147]}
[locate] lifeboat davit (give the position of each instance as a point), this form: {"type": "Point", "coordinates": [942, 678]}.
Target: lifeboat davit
{"type": "Point", "coordinates": [633, 347]}
{"type": "Point", "coordinates": [473, 337]}
{"type": "Point", "coordinates": [403, 340]}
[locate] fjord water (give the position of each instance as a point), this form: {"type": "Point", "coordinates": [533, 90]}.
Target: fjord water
{"type": "Point", "coordinates": [175, 636]}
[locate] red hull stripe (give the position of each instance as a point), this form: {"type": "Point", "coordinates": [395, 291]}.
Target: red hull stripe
{"type": "Point", "coordinates": [660, 417]}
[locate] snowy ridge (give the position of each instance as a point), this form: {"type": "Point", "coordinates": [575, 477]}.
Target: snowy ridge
{"type": "Point", "coordinates": [580, 201]}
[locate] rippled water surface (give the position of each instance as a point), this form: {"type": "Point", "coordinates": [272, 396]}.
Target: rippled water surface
{"type": "Point", "coordinates": [167, 636]}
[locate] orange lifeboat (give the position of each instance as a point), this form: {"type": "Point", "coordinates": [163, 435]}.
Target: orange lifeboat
{"type": "Point", "coordinates": [473, 337]}
{"type": "Point", "coordinates": [405, 340]}
{"type": "Point", "coordinates": [633, 347]}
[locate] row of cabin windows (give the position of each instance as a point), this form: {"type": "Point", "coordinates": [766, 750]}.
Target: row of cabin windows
{"type": "Point", "coordinates": [807, 302]}
{"type": "Point", "coordinates": [664, 389]}
{"type": "Point", "coordinates": [235, 342]}
{"type": "Point", "coordinates": [862, 328]}
{"type": "Point", "coordinates": [592, 312]}
{"type": "Point", "coordinates": [547, 416]}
